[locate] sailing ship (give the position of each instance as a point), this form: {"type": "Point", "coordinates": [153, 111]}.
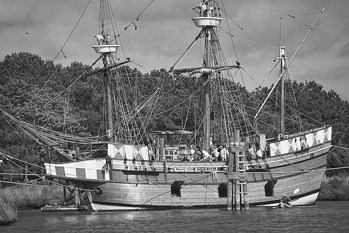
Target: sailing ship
{"type": "Point", "coordinates": [125, 171]}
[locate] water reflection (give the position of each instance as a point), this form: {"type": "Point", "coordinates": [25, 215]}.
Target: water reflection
{"type": "Point", "coordinates": [52, 220]}
{"type": "Point", "coordinates": [91, 218]}
{"type": "Point", "coordinates": [131, 216]}
{"type": "Point", "coordinates": [324, 217]}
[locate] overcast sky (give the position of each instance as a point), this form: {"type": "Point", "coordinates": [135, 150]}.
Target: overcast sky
{"type": "Point", "coordinates": [165, 30]}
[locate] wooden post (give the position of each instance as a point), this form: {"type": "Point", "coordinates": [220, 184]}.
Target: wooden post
{"type": "Point", "coordinates": [77, 152]}
{"type": "Point", "coordinates": [236, 165]}
{"type": "Point", "coordinates": [64, 195]}
{"type": "Point", "coordinates": [234, 194]}
{"type": "Point", "coordinates": [110, 166]}
{"type": "Point", "coordinates": [230, 195]}
{"type": "Point", "coordinates": [230, 187]}
{"type": "Point", "coordinates": [237, 176]}
{"type": "Point", "coordinates": [90, 199]}
{"type": "Point", "coordinates": [165, 170]}
{"type": "Point", "coordinates": [77, 196]}
{"type": "Point", "coordinates": [238, 195]}
{"type": "Point", "coordinates": [161, 148]}
{"type": "Point", "coordinates": [237, 136]}
{"type": "Point", "coordinates": [247, 203]}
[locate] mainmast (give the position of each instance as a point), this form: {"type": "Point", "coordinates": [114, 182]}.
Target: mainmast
{"type": "Point", "coordinates": [208, 21]}
{"type": "Point", "coordinates": [107, 49]}
{"type": "Point", "coordinates": [283, 67]}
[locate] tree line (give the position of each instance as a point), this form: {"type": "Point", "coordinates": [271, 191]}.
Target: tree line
{"type": "Point", "coordinates": [40, 92]}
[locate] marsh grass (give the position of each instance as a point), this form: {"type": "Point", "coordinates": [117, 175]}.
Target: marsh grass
{"type": "Point", "coordinates": [8, 212]}
{"type": "Point", "coordinates": [337, 188]}
{"type": "Point", "coordinates": [24, 196]}
{"type": "Point", "coordinates": [33, 196]}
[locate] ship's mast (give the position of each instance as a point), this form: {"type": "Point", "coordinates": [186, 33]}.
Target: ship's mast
{"type": "Point", "coordinates": [107, 49]}
{"type": "Point", "coordinates": [282, 57]}
{"type": "Point", "coordinates": [109, 126]}
{"type": "Point", "coordinates": [283, 64]}
{"type": "Point", "coordinates": [208, 21]}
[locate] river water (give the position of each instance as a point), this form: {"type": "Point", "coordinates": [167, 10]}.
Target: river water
{"type": "Point", "coordinates": [325, 216]}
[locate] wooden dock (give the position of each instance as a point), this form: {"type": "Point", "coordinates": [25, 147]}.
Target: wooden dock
{"type": "Point", "coordinates": [56, 208]}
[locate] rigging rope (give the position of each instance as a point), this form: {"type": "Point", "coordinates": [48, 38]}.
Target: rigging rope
{"type": "Point", "coordinates": [290, 61]}
{"type": "Point", "coordinates": [136, 19]}
{"type": "Point", "coordinates": [291, 16]}
{"type": "Point", "coordinates": [61, 51]}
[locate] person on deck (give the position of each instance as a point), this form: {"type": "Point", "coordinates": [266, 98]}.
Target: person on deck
{"type": "Point", "coordinates": [206, 156]}
{"type": "Point", "coordinates": [192, 150]}
{"type": "Point", "coordinates": [224, 153]}
{"type": "Point", "coordinates": [258, 150]}
{"type": "Point", "coordinates": [252, 152]}
{"type": "Point", "coordinates": [203, 8]}
{"type": "Point", "coordinates": [215, 154]}
{"type": "Point", "coordinates": [197, 156]}
{"type": "Point", "coordinates": [259, 153]}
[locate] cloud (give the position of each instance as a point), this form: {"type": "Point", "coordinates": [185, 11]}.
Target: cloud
{"type": "Point", "coordinates": [336, 79]}
{"type": "Point", "coordinates": [344, 52]}
{"type": "Point", "coordinates": [165, 30]}
{"type": "Point", "coordinates": [340, 73]}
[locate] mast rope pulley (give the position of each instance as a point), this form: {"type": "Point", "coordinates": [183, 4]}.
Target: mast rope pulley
{"type": "Point", "coordinates": [135, 20]}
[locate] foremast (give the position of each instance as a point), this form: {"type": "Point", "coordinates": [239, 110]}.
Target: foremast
{"type": "Point", "coordinates": [282, 60]}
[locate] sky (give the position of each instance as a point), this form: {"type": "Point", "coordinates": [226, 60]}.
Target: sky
{"type": "Point", "coordinates": [165, 30]}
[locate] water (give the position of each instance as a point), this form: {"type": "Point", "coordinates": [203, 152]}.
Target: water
{"type": "Point", "coordinates": [323, 217]}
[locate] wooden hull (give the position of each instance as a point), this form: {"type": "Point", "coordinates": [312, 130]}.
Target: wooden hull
{"type": "Point", "coordinates": [135, 185]}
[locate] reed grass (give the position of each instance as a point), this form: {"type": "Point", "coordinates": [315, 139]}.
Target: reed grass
{"type": "Point", "coordinates": [33, 196]}
{"type": "Point", "coordinates": [336, 188]}
{"type": "Point", "coordinates": [8, 211]}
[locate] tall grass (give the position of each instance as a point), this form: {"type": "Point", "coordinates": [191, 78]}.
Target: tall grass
{"type": "Point", "coordinates": [22, 196]}
{"type": "Point", "coordinates": [8, 212]}
{"type": "Point", "coordinates": [337, 188]}
{"type": "Point", "coordinates": [34, 196]}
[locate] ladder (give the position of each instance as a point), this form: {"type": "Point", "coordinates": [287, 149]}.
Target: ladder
{"type": "Point", "coordinates": [241, 196]}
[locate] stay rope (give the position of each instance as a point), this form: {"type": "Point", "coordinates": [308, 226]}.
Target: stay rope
{"type": "Point", "coordinates": [61, 51]}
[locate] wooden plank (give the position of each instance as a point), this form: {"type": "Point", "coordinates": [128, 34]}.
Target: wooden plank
{"type": "Point", "coordinates": [49, 208]}
{"type": "Point", "coordinates": [237, 176]}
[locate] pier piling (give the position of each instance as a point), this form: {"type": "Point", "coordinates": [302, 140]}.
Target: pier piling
{"type": "Point", "coordinates": [237, 177]}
